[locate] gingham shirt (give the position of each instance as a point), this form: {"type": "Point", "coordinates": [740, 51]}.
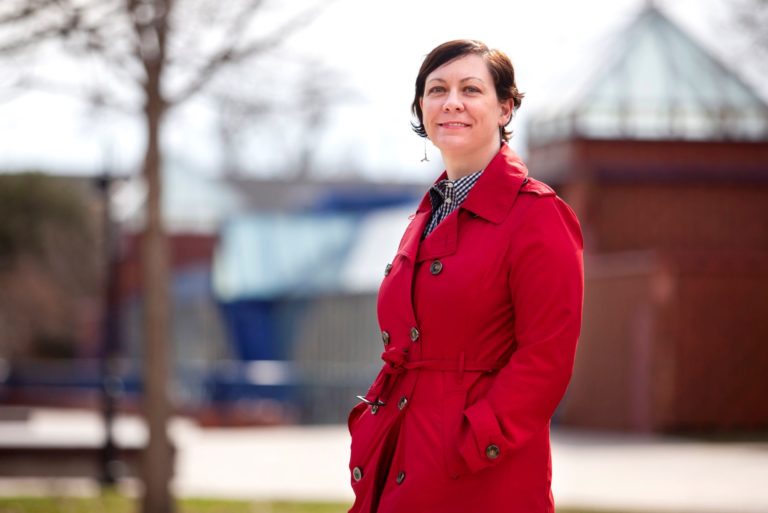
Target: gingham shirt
{"type": "Point", "coordinates": [446, 196]}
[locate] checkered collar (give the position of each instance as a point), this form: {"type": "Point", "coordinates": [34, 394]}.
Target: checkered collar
{"type": "Point", "coordinates": [453, 192]}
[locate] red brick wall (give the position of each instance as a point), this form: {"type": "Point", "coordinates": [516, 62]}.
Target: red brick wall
{"type": "Point", "coordinates": [675, 333]}
{"type": "Point", "coordinates": [719, 329]}
{"type": "Point", "coordinates": [612, 381]}
{"type": "Point", "coordinates": [663, 216]}
{"type": "Point", "coordinates": [672, 341]}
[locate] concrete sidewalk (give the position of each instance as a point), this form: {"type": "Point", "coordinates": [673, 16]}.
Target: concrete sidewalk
{"type": "Point", "coordinates": [296, 463]}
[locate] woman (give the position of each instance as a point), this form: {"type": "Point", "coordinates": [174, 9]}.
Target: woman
{"type": "Point", "coordinates": [480, 310]}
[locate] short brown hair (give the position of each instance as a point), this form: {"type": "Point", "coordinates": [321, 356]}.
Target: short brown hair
{"type": "Point", "coordinates": [498, 64]}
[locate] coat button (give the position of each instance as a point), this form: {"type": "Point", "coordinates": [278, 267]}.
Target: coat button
{"type": "Point", "coordinates": [385, 337]}
{"type": "Point", "coordinates": [414, 334]}
{"type": "Point", "coordinates": [402, 402]}
{"type": "Point", "coordinates": [357, 473]}
{"type": "Point", "coordinates": [400, 477]}
{"type": "Point", "coordinates": [436, 267]}
{"type": "Point", "coordinates": [374, 409]}
{"type": "Point", "coordinates": [387, 269]}
{"type": "Point", "coordinates": [492, 452]}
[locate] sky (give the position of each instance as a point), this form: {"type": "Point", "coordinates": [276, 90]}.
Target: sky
{"type": "Point", "coordinates": [373, 51]}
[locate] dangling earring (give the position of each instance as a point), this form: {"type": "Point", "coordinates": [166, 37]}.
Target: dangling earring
{"type": "Point", "coordinates": [425, 159]}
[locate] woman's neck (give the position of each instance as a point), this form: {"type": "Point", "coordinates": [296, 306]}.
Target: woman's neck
{"type": "Point", "coordinates": [462, 164]}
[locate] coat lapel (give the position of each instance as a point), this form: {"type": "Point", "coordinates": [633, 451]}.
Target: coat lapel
{"type": "Point", "coordinates": [443, 239]}
{"type": "Point", "coordinates": [409, 246]}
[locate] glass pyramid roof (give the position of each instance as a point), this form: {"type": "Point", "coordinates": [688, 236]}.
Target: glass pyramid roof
{"type": "Point", "coordinates": [657, 84]}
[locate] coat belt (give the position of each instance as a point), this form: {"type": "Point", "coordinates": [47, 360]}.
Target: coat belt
{"type": "Point", "coordinates": [397, 362]}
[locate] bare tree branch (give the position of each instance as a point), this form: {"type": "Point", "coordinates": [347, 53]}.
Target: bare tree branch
{"type": "Point", "coordinates": [97, 97]}
{"type": "Point", "coordinates": [235, 24]}
{"type": "Point", "coordinates": [25, 11]}
{"type": "Point", "coordinates": [46, 33]}
{"type": "Point", "coordinates": [231, 54]}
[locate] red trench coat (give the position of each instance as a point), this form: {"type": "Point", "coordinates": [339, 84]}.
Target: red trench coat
{"type": "Point", "coordinates": [479, 325]}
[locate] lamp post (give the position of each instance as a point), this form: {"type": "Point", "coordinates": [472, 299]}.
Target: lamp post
{"type": "Point", "coordinates": [111, 384]}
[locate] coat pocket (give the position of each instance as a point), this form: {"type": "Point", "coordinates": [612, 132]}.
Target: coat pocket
{"type": "Point", "coordinates": [456, 399]}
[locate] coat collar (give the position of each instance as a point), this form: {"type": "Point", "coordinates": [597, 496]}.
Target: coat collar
{"type": "Point", "coordinates": [490, 198]}
{"type": "Point", "coordinates": [496, 190]}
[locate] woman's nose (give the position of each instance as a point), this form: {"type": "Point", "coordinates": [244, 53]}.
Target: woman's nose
{"type": "Point", "coordinates": [452, 103]}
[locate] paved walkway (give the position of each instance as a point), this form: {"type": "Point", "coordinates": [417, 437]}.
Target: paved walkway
{"type": "Point", "coordinates": [590, 469]}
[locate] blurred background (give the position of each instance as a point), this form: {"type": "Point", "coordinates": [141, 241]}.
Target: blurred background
{"type": "Point", "coordinates": [198, 200]}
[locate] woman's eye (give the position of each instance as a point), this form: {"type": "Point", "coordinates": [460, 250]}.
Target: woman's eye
{"type": "Point", "coordinates": [472, 89]}
{"type": "Point", "coordinates": [436, 89]}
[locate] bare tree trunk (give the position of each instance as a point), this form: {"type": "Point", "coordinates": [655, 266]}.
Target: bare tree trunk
{"type": "Point", "coordinates": [158, 458]}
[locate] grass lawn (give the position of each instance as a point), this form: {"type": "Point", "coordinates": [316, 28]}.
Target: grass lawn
{"type": "Point", "coordinates": [112, 503]}
{"type": "Point", "coordinates": [121, 504]}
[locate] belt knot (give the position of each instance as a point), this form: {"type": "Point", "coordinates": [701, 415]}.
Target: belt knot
{"type": "Point", "coordinates": [395, 359]}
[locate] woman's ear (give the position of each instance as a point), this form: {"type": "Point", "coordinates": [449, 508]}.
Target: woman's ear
{"type": "Point", "coordinates": [506, 112]}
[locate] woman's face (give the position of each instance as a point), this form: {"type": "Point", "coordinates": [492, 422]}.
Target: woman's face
{"type": "Point", "coordinates": [461, 112]}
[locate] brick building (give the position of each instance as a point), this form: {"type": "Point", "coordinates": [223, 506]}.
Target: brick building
{"type": "Point", "coordinates": [664, 156]}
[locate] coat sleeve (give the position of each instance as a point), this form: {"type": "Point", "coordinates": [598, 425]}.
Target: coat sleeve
{"type": "Point", "coordinates": [546, 283]}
